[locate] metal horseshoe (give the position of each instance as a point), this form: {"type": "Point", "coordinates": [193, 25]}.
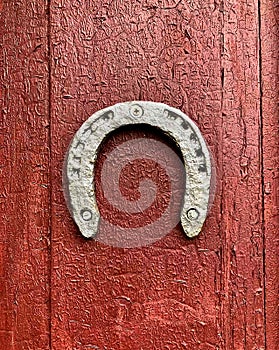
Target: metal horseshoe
{"type": "Point", "coordinates": [78, 177]}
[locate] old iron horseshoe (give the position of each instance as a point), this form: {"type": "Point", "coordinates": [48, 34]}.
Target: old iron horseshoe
{"type": "Point", "coordinates": [78, 177]}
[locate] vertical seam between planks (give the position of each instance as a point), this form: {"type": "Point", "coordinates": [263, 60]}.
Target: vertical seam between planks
{"type": "Point", "coordinates": [50, 167]}
{"type": "Point", "coordinates": [261, 137]}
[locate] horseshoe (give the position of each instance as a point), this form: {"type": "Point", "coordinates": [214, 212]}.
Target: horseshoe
{"type": "Point", "coordinates": [78, 174]}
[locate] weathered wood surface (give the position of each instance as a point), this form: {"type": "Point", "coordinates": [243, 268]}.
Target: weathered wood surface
{"type": "Point", "coordinates": [24, 176]}
{"type": "Point", "coordinates": [241, 222]}
{"type": "Point", "coordinates": [213, 292]}
{"type": "Point", "coordinates": [270, 114]}
{"type": "Point", "coordinates": [202, 57]}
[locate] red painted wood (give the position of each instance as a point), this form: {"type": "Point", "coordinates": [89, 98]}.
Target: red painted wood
{"type": "Point", "coordinates": [270, 114]}
{"type": "Point", "coordinates": [203, 58]}
{"type": "Point", "coordinates": [135, 172]}
{"type": "Point", "coordinates": [241, 222]}
{"type": "Point", "coordinates": [218, 291]}
{"type": "Point", "coordinates": [174, 286]}
{"type": "Point", "coordinates": [24, 180]}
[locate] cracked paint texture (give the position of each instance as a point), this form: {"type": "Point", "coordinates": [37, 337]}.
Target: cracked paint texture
{"type": "Point", "coordinates": [63, 60]}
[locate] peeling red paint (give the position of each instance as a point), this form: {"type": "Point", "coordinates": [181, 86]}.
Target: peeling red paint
{"type": "Point", "coordinates": [219, 291]}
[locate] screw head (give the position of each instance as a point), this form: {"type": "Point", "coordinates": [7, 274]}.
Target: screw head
{"type": "Point", "coordinates": [193, 214]}
{"type": "Point", "coordinates": [136, 111]}
{"type": "Point", "coordinates": [86, 214]}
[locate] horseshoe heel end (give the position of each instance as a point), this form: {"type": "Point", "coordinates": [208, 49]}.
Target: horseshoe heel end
{"type": "Point", "coordinates": [191, 229]}
{"type": "Point", "coordinates": [192, 226]}
{"type": "Point", "coordinates": [78, 195]}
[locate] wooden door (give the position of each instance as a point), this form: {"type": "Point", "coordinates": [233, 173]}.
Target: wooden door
{"type": "Point", "coordinates": [61, 61]}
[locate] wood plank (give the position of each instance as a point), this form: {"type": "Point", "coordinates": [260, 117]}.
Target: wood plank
{"type": "Point", "coordinates": [201, 57]}
{"type": "Point", "coordinates": [270, 115]}
{"type": "Point", "coordinates": [243, 304]}
{"type": "Point", "coordinates": [24, 170]}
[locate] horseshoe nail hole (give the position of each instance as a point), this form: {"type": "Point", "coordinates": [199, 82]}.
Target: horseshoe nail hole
{"type": "Point", "coordinates": [86, 214]}
{"type": "Point", "coordinates": [193, 214]}
{"type": "Point", "coordinates": [136, 111]}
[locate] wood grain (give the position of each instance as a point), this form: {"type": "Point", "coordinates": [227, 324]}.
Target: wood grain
{"type": "Point", "coordinates": [215, 60]}
{"type": "Point", "coordinates": [243, 304]}
{"type": "Point", "coordinates": [270, 115]}
{"type": "Point", "coordinates": [102, 54]}
{"type": "Point", "coordinates": [24, 180]}
{"type": "Point", "coordinates": [202, 57]}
